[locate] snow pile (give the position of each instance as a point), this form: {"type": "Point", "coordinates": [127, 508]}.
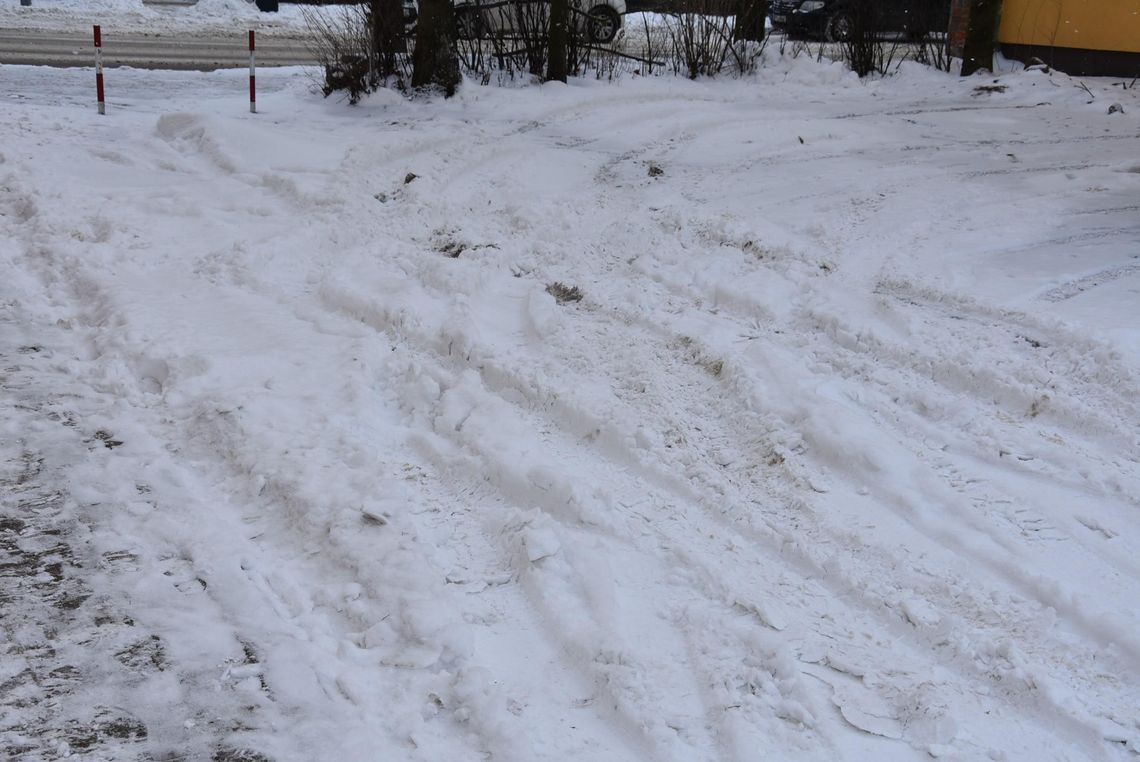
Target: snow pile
{"type": "Point", "coordinates": [204, 17]}
{"type": "Point", "coordinates": [817, 442]}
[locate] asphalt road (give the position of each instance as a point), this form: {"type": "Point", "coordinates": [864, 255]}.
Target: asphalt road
{"type": "Point", "coordinates": [149, 51]}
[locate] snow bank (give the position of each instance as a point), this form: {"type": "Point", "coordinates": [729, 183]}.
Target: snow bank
{"type": "Point", "coordinates": [204, 17]}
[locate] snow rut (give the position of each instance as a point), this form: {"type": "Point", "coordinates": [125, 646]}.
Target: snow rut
{"type": "Point", "coordinates": [495, 474]}
{"type": "Point", "coordinates": [637, 397]}
{"type": "Point", "coordinates": [741, 504]}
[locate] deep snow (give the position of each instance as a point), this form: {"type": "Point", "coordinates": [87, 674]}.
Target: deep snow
{"type": "Point", "coordinates": [836, 457]}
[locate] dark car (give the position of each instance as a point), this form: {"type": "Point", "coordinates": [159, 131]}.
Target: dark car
{"type": "Point", "coordinates": [701, 7]}
{"type": "Point", "coordinates": [411, 10]}
{"type": "Point", "coordinates": [834, 20]}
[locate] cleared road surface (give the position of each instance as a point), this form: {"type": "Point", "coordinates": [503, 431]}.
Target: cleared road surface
{"type": "Point", "coordinates": [149, 51]}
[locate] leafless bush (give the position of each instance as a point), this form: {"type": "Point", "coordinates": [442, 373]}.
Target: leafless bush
{"type": "Point", "coordinates": [507, 38]}
{"type": "Point", "coordinates": [927, 29]}
{"type": "Point", "coordinates": [699, 43]}
{"type": "Point", "coordinates": [529, 39]}
{"type": "Point", "coordinates": [702, 39]}
{"type": "Point", "coordinates": [747, 54]}
{"type": "Point", "coordinates": [656, 41]}
{"type": "Point", "coordinates": [862, 46]}
{"type": "Point", "coordinates": [794, 47]}
{"type": "Point", "coordinates": [857, 31]}
{"type": "Point", "coordinates": [889, 55]}
{"type": "Point", "coordinates": [347, 46]}
{"type": "Point", "coordinates": [503, 40]}
{"type": "Point", "coordinates": [604, 62]}
{"type": "Point", "coordinates": [933, 50]}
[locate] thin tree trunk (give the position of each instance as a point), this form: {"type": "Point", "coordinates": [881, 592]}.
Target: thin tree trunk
{"type": "Point", "coordinates": [386, 21]}
{"type": "Point", "coordinates": [435, 63]}
{"type": "Point", "coordinates": [750, 17]}
{"type": "Point", "coordinates": [981, 32]}
{"type": "Point", "coordinates": [556, 63]}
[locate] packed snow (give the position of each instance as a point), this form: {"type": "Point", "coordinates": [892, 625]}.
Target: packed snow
{"type": "Point", "coordinates": [201, 18]}
{"type": "Point", "coordinates": [792, 417]}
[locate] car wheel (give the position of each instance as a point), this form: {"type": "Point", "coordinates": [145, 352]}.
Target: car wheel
{"type": "Point", "coordinates": [838, 27]}
{"type": "Point", "coordinates": [467, 26]}
{"type": "Point", "coordinates": [603, 24]}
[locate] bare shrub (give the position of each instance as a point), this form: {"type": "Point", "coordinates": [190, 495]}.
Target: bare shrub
{"type": "Point", "coordinates": [356, 53]}
{"type": "Point", "coordinates": [857, 31]}
{"type": "Point", "coordinates": [502, 40]}
{"type": "Point", "coordinates": [656, 41]}
{"type": "Point", "coordinates": [703, 39]}
{"type": "Point", "coordinates": [933, 50]}
{"type": "Point", "coordinates": [529, 39]}
{"type": "Point", "coordinates": [604, 62]}
{"type": "Point", "coordinates": [699, 43]}
{"type": "Point", "coordinates": [794, 47]}
{"type": "Point", "coordinates": [862, 46]}
{"type": "Point", "coordinates": [507, 37]}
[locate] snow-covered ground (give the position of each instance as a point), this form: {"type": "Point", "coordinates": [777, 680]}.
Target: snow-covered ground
{"type": "Point", "coordinates": [836, 457]}
{"type": "Point", "coordinates": [203, 18]}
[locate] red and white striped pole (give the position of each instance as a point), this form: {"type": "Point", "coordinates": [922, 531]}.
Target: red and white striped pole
{"type": "Point", "coordinates": [252, 77]}
{"type": "Point", "coordinates": [99, 69]}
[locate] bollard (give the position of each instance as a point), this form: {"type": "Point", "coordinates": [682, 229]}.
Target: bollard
{"type": "Point", "coordinates": [99, 69]}
{"type": "Point", "coordinates": [252, 77]}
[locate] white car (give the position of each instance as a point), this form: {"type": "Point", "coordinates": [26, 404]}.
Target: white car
{"type": "Point", "coordinates": [600, 19]}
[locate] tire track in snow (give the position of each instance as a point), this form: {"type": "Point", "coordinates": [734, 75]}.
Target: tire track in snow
{"type": "Point", "coordinates": [508, 385]}
{"type": "Point", "coordinates": [480, 148]}
{"type": "Point", "coordinates": [1081, 377]}
{"type": "Point", "coordinates": [1080, 285]}
{"type": "Point", "coordinates": [493, 378]}
{"type": "Point", "coordinates": [1100, 381]}
{"type": "Point", "coordinates": [144, 705]}
{"type": "Point", "coordinates": [1061, 714]}
{"type": "Point", "coordinates": [244, 598]}
{"type": "Point", "coordinates": [1043, 650]}
{"type": "Point", "coordinates": [1076, 419]}
{"type": "Point", "coordinates": [910, 361]}
{"type": "Point", "coordinates": [1050, 598]}
{"type": "Point", "coordinates": [592, 649]}
{"type": "Point", "coordinates": [384, 627]}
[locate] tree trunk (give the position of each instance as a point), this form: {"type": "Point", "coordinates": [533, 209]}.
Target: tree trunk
{"type": "Point", "coordinates": [435, 63]}
{"type": "Point", "coordinates": [750, 18]}
{"type": "Point", "coordinates": [386, 23]}
{"type": "Point", "coordinates": [981, 32]}
{"type": "Point", "coordinates": [556, 63]}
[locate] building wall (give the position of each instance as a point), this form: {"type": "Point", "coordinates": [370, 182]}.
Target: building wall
{"type": "Point", "coordinates": [1105, 25]}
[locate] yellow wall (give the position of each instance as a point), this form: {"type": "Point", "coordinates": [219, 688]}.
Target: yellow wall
{"type": "Point", "coordinates": [1090, 24]}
